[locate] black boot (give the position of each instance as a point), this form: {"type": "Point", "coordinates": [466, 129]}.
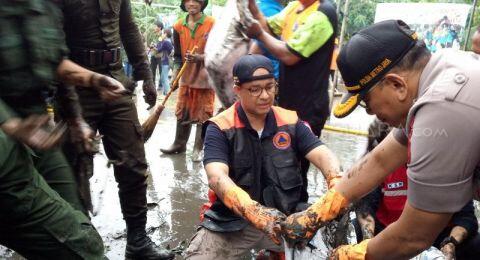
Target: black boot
{"type": "Point", "coordinates": [197, 155]}
{"type": "Point", "coordinates": [181, 138]}
{"type": "Point", "coordinates": [141, 247]}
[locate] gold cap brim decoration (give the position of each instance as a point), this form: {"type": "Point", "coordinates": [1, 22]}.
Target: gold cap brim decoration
{"type": "Point", "coordinates": [346, 106]}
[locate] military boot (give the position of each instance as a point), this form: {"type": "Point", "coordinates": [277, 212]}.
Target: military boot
{"type": "Point", "coordinates": [141, 247]}
{"type": "Point", "coordinates": [181, 138]}
{"type": "Point", "coordinates": [197, 155]}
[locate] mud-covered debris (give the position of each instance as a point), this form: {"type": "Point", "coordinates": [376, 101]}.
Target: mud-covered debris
{"type": "Point", "coordinates": [182, 246]}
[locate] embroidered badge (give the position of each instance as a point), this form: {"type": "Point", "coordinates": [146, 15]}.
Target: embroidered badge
{"type": "Point", "coordinates": [282, 140]}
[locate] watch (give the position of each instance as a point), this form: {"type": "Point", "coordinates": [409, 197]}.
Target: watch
{"type": "Point", "coordinates": [449, 239]}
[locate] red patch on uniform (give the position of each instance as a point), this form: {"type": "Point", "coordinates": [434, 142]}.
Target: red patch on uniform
{"type": "Point", "coordinates": [282, 140]}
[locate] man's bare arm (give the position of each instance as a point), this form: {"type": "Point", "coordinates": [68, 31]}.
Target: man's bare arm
{"type": "Point", "coordinates": [278, 48]}
{"type": "Point", "coordinates": [372, 169]}
{"type": "Point", "coordinates": [415, 231]}
{"type": "Point", "coordinates": [324, 159]}
{"type": "Point", "coordinates": [71, 73]}
{"type": "Point", "coordinates": [218, 179]}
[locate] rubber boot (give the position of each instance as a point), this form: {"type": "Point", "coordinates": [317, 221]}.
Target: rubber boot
{"type": "Point", "coordinates": [197, 154]}
{"type": "Point", "coordinates": [181, 138]}
{"type": "Point", "coordinates": [141, 247]}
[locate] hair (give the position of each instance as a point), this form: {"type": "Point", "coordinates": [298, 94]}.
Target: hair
{"type": "Point", "coordinates": [415, 59]}
{"type": "Point", "coordinates": [159, 24]}
{"type": "Point", "coordinates": [168, 32]}
{"type": "Point", "coordinates": [377, 131]}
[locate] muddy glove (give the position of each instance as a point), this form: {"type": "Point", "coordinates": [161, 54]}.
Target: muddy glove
{"type": "Point", "coordinates": [108, 88]}
{"type": "Point", "coordinates": [263, 218]}
{"type": "Point", "coordinates": [81, 133]}
{"type": "Point", "coordinates": [350, 252]}
{"type": "Point", "coordinates": [150, 93]}
{"type": "Point", "coordinates": [300, 227]}
{"type": "Point", "coordinates": [34, 131]}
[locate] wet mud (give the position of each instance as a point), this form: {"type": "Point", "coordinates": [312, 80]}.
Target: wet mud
{"type": "Point", "coordinates": [177, 186]}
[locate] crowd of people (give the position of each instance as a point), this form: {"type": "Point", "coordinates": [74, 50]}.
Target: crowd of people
{"type": "Point", "coordinates": [257, 152]}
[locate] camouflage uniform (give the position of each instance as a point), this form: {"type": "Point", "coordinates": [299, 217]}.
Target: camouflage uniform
{"type": "Point", "coordinates": [33, 216]}
{"type": "Point", "coordinates": [95, 31]}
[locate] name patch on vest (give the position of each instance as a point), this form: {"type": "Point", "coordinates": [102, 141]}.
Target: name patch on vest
{"type": "Point", "coordinates": [395, 185]}
{"type": "Point", "coordinates": [282, 140]}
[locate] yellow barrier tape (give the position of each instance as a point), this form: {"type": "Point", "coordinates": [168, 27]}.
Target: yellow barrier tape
{"type": "Point", "coordinates": [345, 130]}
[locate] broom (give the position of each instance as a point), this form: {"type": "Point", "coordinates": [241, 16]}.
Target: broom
{"type": "Point", "coordinates": [149, 124]}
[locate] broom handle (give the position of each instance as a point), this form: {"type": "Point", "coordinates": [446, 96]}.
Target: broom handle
{"type": "Point", "coordinates": [177, 78]}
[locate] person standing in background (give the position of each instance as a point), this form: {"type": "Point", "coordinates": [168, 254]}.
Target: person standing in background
{"type": "Point", "coordinates": [164, 49]}
{"type": "Point", "coordinates": [155, 56]}
{"type": "Point", "coordinates": [195, 95]}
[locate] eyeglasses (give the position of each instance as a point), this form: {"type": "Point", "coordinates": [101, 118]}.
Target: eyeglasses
{"type": "Point", "coordinates": [271, 89]}
{"type": "Point", "coordinates": [362, 102]}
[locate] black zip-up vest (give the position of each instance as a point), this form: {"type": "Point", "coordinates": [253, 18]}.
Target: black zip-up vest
{"type": "Point", "coordinates": [267, 169]}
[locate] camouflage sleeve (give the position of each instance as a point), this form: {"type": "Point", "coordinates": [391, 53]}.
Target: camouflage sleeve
{"type": "Point", "coordinates": [133, 43]}
{"type": "Point", "coordinates": [56, 8]}
{"type": "Point", "coordinates": [311, 35]}
{"type": "Point", "coordinates": [5, 112]}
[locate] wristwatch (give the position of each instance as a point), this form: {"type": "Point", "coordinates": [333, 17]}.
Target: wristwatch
{"type": "Point", "coordinates": [449, 239]}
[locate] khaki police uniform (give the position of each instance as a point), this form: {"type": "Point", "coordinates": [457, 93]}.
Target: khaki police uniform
{"type": "Point", "coordinates": [442, 133]}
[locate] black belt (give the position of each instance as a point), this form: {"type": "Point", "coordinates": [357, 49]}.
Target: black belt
{"type": "Point", "coordinates": [95, 57]}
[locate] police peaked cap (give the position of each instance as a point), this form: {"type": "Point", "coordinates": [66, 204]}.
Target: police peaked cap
{"type": "Point", "coordinates": [203, 2]}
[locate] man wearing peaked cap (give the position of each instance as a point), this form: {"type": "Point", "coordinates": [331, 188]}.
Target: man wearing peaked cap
{"type": "Point", "coordinates": [252, 153]}
{"type": "Point", "coordinates": [432, 99]}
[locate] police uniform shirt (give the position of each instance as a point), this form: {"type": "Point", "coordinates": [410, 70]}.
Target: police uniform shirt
{"type": "Point", "coordinates": [442, 133]}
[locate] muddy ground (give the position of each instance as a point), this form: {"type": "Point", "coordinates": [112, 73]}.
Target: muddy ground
{"type": "Point", "coordinates": [177, 187]}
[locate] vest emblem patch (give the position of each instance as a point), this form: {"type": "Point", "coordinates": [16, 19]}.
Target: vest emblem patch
{"type": "Point", "coordinates": [282, 140]}
{"type": "Point", "coordinates": [395, 185]}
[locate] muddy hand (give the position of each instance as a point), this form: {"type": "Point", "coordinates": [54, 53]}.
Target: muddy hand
{"type": "Point", "coordinates": [193, 58]}
{"type": "Point", "coordinates": [150, 93]}
{"type": "Point", "coordinates": [449, 251]}
{"type": "Point", "coordinates": [301, 227]}
{"type": "Point", "coordinates": [367, 224]}
{"type": "Point", "coordinates": [32, 131]}
{"type": "Point", "coordinates": [81, 133]}
{"type": "Point", "coordinates": [254, 31]}
{"type": "Point", "coordinates": [297, 229]}
{"type": "Point", "coordinates": [350, 252]}
{"type": "Point", "coordinates": [268, 220]}
{"type": "Point", "coordinates": [263, 218]}
{"type": "Point", "coordinates": [108, 88]}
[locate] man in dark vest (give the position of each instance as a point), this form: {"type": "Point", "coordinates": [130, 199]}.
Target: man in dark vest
{"type": "Point", "coordinates": [252, 153]}
{"type": "Point", "coordinates": [306, 31]}
{"type": "Point", "coordinates": [95, 30]}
